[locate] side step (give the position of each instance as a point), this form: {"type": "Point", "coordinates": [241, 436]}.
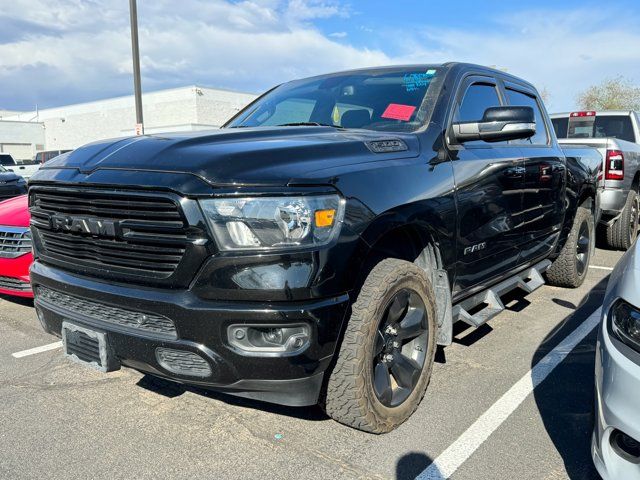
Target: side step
{"type": "Point", "coordinates": [528, 280]}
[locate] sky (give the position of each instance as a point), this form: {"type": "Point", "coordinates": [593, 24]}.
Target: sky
{"type": "Point", "coordinates": [58, 52]}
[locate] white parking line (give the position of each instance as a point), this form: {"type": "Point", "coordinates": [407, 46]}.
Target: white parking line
{"type": "Point", "coordinates": [33, 351]}
{"type": "Point", "coordinates": [598, 267]}
{"type": "Point", "coordinates": [459, 451]}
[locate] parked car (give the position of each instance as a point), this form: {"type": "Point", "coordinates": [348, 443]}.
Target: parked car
{"type": "Point", "coordinates": [46, 155]}
{"type": "Point", "coordinates": [320, 245]}
{"type": "Point", "coordinates": [11, 184]}
{"type": "Point", "coordinates": [15, 248]}
{"type": "Point", "coordinates": [25, 171]}
{"type": "Point", "coordinates": [616, 134]}
{"type": "Point", "coordinates": [616, 437]}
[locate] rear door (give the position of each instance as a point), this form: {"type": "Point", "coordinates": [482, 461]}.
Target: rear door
{"type": "Point", "coordinates": [489, 179]}
{"type": "Point", "coordinates": [544, 181]}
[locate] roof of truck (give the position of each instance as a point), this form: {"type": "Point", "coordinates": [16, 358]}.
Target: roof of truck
{"type": "Point", "coordinates": [426, 66]}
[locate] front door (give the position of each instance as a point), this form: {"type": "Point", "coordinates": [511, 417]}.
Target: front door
{"type": "Point", "coordinates": [489, 179]}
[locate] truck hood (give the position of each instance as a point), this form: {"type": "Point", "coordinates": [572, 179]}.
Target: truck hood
{"type": "Point", "coordinates": [15, 212]}
{"type": "Point", "coordinates": [251, 156]}
{"type": "Point", "coordinates": [8, 177]}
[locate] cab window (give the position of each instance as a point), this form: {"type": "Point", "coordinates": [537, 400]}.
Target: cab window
{"type": "Point", "coordinates": [478, 97]}
{"type": "Point", "coordinates": [517, 98]}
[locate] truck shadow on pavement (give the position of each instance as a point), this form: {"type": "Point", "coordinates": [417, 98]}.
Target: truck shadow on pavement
{"type": "Point", "coordinates": [25, 302]}
{"type": "Point", "coordinates": [565, 399]}
{"type": "Point", "coordinates": [171, 389]}
{"type": "Point", "coordinates": [412, 464]}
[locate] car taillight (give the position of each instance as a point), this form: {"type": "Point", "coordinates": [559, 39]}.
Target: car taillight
{"type": "Point", "coordinates": [614, 166]}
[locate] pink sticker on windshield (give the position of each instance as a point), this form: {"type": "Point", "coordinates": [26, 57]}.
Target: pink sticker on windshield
{"type": "Point", "coordinates": [397, 111]}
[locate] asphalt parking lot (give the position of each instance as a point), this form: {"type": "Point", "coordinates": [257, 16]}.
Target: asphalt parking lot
{"type": "Point", "coordinates": [62, 420]}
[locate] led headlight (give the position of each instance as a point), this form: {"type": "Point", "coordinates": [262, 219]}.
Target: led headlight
{"type": "Point", "coordinates": [268, 223]}
{"type": "Point", "coordinates": [625, 321]}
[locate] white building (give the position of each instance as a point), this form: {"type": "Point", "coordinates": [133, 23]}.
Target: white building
{"type": "Point", "coordinates": [180, 109]}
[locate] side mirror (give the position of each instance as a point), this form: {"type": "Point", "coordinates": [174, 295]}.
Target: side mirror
{"type": "Point", "coordinates": [498, 124]}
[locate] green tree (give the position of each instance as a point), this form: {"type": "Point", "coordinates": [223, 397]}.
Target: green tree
{"type": "Point", "coordinates": [617, 93]}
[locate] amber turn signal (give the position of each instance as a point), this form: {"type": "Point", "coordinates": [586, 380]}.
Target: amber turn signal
{"type": "Point", "coordinates": [325, 218]}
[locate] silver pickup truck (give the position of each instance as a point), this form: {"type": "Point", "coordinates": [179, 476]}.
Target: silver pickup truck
{"type": "Point", "coordinates": [24, 170]}
{"type": "Point", "coordinates": [616, 134]}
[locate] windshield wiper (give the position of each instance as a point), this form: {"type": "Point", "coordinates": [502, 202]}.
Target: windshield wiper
{"type": "Point", "coordinates": [308, 124]}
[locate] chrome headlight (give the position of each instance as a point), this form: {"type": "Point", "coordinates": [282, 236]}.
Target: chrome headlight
{"type": "Point", "coordinates": [625, 322]}
{"type": "Point", "coordinates": [272, 223]}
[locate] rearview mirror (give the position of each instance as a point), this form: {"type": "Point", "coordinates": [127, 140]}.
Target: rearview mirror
{"type": "Point", "coordinates": [498, 124]}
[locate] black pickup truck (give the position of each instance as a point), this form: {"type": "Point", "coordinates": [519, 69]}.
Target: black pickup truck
{"type": "Point", "coordinates": [319, 246]}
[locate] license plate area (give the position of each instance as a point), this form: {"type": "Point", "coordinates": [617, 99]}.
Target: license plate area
{"type": "Point", "coordinates": [88, 347]}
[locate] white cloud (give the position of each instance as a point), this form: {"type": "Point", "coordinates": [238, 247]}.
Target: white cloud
{"type": "Point", "coordinates": [248, 45]}
{"type": "Point", "coordinates": [312, 9]}
{"type": "Point", "coordinates": [74, 50]}
{"type": "Point", "coordinates": [564, 51]}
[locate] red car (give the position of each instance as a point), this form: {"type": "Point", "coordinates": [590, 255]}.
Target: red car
{"type": "Point", "coordinates": [15, 247]}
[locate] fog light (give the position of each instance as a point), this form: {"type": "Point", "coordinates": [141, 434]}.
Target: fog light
{"type": "Point", "coordinates": [625, 446]}
{"type": "Point", "coordinates": [273, 335]}
{"type": "Point", "coordinates": [269, 340]}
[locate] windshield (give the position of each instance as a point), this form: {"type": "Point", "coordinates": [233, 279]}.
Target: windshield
{"type": "Point", "coordinates": [390, 100]}
{"type": "Point", "coordinates": [595, 126]}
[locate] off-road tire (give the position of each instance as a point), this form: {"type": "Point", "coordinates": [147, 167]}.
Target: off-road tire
{"type": "Point", "coordinates": [623, 232]}
{"type": "Point", "coordinates": [349, 397]}
{"type": "Point", "coordinates": [564, 271]}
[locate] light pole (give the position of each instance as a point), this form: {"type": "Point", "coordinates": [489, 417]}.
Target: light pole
{"type": "Point", "coordinates": [135, 50]}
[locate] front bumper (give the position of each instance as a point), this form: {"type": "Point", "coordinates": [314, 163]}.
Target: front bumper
{"type": "Point", "coordinates": [617, 393]}
{"type": "Point", "coordinates": [14, 276]}
{"type": "Point", "coordinates": [200, 327]}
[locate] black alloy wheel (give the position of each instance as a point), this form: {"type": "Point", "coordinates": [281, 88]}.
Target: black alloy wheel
{"type": "Point", "coordinates": [583, 248]}
{"type": "Point", "coordinates": [633, 220]}
{"type": "Point", "coordinates": [400, 348]}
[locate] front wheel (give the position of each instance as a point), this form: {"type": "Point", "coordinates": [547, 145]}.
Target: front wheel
{"type": "Point", "coordinates": [385, 360]}
{"type": "Point", "coordinates": [571, 266]}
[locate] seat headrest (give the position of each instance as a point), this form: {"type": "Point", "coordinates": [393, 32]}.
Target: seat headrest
{"type": "Point", "coordinates": [355, 118]}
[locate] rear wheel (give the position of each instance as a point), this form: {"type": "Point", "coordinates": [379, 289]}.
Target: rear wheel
{"type": "Point", "coordinates": [385, 360]}
{"type": "Point", "coordinates": [571, 266]}
{"type": "Point", "coordinates": [623, 232]}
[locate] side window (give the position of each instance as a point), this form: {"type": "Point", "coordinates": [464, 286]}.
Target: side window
{"type": "Point", "coordinates": [477, 99]}
{"type": "Point", "coordinates": [522, 99]}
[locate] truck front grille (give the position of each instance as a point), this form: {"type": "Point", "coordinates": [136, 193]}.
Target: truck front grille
{"type": "Point", "coordinates": [9, 283]}
{"type": "Point", "coordinates": [116, 233]}
{"type": "Point", "coordinates": [183, 363]}
{"type": "Point", "coordinates": [79, 307]}
{"type": "Point", "coordinates": [14, 241]}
